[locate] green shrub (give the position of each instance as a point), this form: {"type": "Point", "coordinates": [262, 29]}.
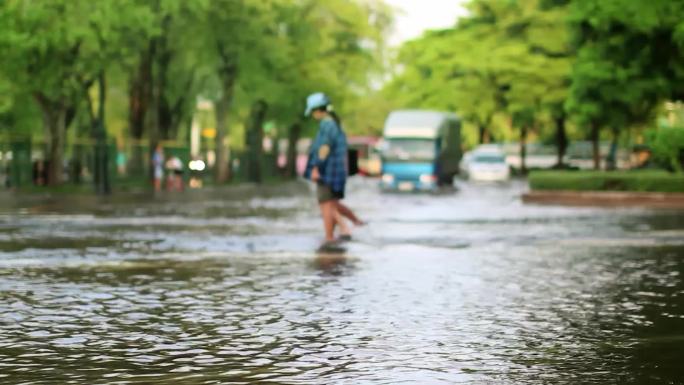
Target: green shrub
{"type": "Point", "coordinates": [667, 144]}
{"type": "Point", "coordinates": [646, 181]}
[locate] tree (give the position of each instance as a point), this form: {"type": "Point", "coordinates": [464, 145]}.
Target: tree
{"type": "Point", "coordinates": [56, 51]}
{"type": "Point", "coordinates": [167, 71]}
{"type": "Point", "coordinates": [113, 36]}
{"type": "Point", "coordinates": [231, 35]}
{"type": "Point", "coordinates": [72, 57]}
{"type": "Point", "coordinates": [539, 49]}
{"type": "Point", "coordinates": [42, 58]}
{"type": "Point", "coordinates": [332, 46]}
{"type": "Point", "coordinates": [630, 58]}
{"type": "Point", "coordinates": [505, 58]}
{"type": "Point", "coordinates": [279, 51]}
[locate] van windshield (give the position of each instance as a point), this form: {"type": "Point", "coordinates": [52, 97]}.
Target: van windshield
{"type": "Point", "coordinates": [409, 149]}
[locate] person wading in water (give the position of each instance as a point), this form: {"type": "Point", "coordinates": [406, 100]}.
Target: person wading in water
{"type": "Point", "coordinates": [327, 167]}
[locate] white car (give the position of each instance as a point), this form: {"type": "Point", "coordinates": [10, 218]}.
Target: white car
{"type": "Point", "coordinates": [486, 166]}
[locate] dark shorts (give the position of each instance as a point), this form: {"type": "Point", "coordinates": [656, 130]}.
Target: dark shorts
{"type": "Point", "coordinates": [324, 193]}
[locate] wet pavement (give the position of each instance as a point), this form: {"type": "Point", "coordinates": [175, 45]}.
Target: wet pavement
{"type": "Point", "coordinates": [223, 287]}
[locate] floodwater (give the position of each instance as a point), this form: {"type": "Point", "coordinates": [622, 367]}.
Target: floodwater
{"type": "Point", "coordinates": [223, 287]}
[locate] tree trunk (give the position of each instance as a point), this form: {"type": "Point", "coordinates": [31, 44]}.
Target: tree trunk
{"type": "Point", "coordinates": [611, 162]}
{"type": "Point", "coordinates": [228, 74]}
{"type": "Point", "coordinates": [595, 145]}
{"type": "Point", "coordinates": [561, 140]}
{"type": "Point", "coordinates": [523, 149]}
{"type": "Point", "coordinates": [102, 182]}
{"type": "Point", "coordinates": [54, 120]}
{"type": "Point", "coordinates": [77, 165]}
{"type": "Point", "coordinates": [164, 113]}
{"type": "Point", "coordinates": [139, 97]}
{"type": "Point", "coordinates": [482, 133]}
{"type": "Point", "coordinates": [293, 138]}
{"type": "Point", "coordinates": [56, 148]}
{"type": "Point", "coordinates": [163, 55]}
{"type": "Point", "coordinates": [255, 140]}
{"type": "Point", "coordinates": [138, 101]}
{"type": "Point", "coordinates": [154, 109]}
{"type": "Point", "coordinates": [222, 171]}
{"type": "Point", "coordinates": [70, 115]}
{"type": "Point", "coordinates": [173, 114]}
{"type": "Point", "coordinates": [166, 130]}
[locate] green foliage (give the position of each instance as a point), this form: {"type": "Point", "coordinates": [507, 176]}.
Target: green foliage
{"type": "Point", "coordinates": [159, 56]}
{"type": "Point", "coordinates": [53, 47]}
{"type": "Point", "coordinates": [21, 118]}
{"type": "Point", "coordinates": [285, 49]}
{"type": "Point", "coordinates": [646, 181]}
{"type": "Point", "coordinates": [507, 58]}
{"type": "Point", "coordinates": [603, 62]}
{"type": "Point", "coordinates": [279, 51]}
{"type": "Point", "coordinates": [332, 46]}
{"type": "Point", "coordinates": [667, 146]}
{"type": "Point", "coordinates": [629, 59]}
{"type": "Point", "coordinates": [508, 67]}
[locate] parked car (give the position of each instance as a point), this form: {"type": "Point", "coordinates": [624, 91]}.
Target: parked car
{"type": "Point", "coordinates": [537, 156]}
{"type": "Point", "coordinates": [486, 165]}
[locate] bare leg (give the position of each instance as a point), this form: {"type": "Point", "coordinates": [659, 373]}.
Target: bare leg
{"type": "Point", "coordinates": [328, 215]}
{"type": "Point", "coordinates": [344, 229]}
{"type": "Point", "coordinates": [347, 212]}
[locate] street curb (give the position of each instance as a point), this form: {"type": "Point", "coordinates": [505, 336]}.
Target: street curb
{"type": "Point", "coordinates": [606, 199]}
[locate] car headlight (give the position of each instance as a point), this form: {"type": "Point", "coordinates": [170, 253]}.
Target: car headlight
{"type": "Point", "coordinates": [387, 178]}
{"type": "Point", "coordinates": [427, 179]}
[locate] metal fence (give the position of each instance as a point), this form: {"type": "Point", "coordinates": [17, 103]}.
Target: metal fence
{"type": "Point", "coordinates": [24, 162]}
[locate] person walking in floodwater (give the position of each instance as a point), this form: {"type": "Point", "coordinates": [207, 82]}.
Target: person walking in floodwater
{"type": "Point", "coordinates": [158, 167]}
{"type": "Point", "coordinates": [327, 167]}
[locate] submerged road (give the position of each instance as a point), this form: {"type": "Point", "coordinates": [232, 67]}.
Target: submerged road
{"type": "Point", "coordinates": [223, 287]}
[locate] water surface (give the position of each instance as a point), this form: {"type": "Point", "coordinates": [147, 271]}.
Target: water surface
{"type": "Point", "coordinates": [221, 287]}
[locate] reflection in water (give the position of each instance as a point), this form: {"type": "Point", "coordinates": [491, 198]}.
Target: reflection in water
{"type": "Point", "coordinates": [331, 263]}
{"type": "Point", "coordinates": [470, 288]}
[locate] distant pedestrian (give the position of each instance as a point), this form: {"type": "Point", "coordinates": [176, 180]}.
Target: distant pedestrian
{"type": "Point", "coordinates": [327, 167]}
{"type": "Point", "coordinates": [174, 179]}
{"type": "Point", "coordinates": [158, 167]}
{"type": "Point", "coordinates": [121, 161]}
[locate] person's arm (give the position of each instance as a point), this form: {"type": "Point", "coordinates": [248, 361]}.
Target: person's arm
{"type": "Point", "coordinates": [322, 148]}
{"type": "Point", "coordinates": [315, 174]}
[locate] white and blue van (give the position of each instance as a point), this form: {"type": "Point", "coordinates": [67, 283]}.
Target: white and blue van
{"type": "Point", "coordinates": [421, 150]}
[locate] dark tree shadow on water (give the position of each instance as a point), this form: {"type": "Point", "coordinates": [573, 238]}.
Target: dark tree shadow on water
{"type": "Point", "coordinates": [628, 329]}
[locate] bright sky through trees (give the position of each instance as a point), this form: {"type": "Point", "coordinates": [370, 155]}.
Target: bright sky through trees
{"type": "Point", "coordinates": [415, 16]}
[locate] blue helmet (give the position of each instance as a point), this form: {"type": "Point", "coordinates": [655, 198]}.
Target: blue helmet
{"type": "Point", "coordinates": [316, 100]}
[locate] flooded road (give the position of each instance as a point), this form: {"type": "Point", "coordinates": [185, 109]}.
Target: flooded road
{"type": "Point", "coordinates": [223, 287]}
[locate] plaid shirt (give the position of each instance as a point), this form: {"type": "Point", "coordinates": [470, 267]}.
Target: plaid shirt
{"type": "Point", "coordinates": [329, 153]}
